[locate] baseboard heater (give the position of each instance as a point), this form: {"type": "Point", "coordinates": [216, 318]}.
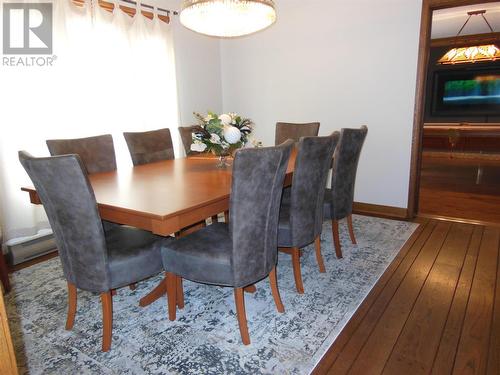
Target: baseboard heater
{"type": "Point", "coordinates": [20, 250]}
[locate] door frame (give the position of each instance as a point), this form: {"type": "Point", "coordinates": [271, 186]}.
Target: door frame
{"type": "Point", "coordinates": [428, 6]}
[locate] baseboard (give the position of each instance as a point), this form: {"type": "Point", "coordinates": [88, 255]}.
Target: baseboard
{"type": "Point", "coordinates": [380, 211]}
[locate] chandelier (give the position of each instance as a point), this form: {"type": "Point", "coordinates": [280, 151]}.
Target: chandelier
{"type": "Point", "coordinates": [227, 18]}
{"type": "Point", "coordinates": [471, 54]}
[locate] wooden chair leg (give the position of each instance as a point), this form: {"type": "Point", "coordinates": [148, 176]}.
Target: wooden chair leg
{"type": "Point", "coordinates": [274, 289]}
{"type": "Point", "coordinates": [107, 320]}
{"type": "Point", "coordinates": [351, 229]}
{"type": "Point", "coordinates": [336, 239]}
{"type": "Point", "coordinates": [319, 257]}
{"type": "Point", "coordinates": [226, 217]}
{"type": "Point", "coordinates": [239, 298]}
{"type": "Point", "coordinates": [171, 281]}
{"type": "Point", "coordinates": [133, 286]}
{"type": "Point", "coordinates": [180, 293]}
{"type": "Point", "coordinates": [215, 219]}
{"type": "Point", "coordinates": [70, 320]}
{"type": "Point", "coordinates": [297, 274]}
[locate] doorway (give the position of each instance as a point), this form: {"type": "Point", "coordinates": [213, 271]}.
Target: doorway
{"type": "Point", "coordinates": [456, 155]}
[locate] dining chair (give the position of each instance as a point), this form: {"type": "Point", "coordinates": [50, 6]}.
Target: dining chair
{"type": "Point", "coordinates": [92, 259]}
{"type": "Point", "coordinates": [301, 211]}
{"type": "Point", "coordinates": [186, 133]}
{"type": "Point", "coordinates": [287, 130]}
{"type": "Point", "coordinates": [97, 153]}
{"type": "Point", "coordinates": [244, 251]}
{"type": "Point", "coordinates": [339, 198]}
{"type": "Point", "coordinates": [149, 147]}
{"type": "Point", "coordinates": [4, 272]}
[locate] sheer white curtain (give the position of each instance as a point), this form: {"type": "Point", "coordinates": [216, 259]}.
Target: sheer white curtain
{"type": "Point", "coordinates": [113, 73]}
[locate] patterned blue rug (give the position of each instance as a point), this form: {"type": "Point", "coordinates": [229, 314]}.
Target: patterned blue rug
{"type": "Point", "coordinates": [205, 338]}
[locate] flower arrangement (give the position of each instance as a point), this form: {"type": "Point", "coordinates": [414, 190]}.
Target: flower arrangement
{"type": "Point", "coordinates": [221, 135]}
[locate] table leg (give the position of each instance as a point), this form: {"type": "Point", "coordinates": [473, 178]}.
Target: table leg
{"type": "Point", "coordinates": [250, 289]}
{"type": "Point", "coordinates": [159, 291]}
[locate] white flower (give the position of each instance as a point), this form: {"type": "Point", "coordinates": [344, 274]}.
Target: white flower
{"type": "Point", "coordinates": [198, 146]}
{"type": "Point", "coordinates": [232, 134]}
{"type": "Point", "coordinates": [214, 138]}
{"type": "Point", "coordinates": [225, 119]}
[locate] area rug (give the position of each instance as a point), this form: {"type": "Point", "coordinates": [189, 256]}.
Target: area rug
{"type": "Point", "coordinates": [205, 338]}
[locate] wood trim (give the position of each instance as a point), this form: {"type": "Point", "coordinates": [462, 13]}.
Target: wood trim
{"type": "Point", "coordinates": [428, 6]}
{"type": "Point", "coordinates": [380, 211]}
{"type": "Point", "coordinates": [8, 364]}
{"type": "Point", "coordinates": [34, 261]}
{"type": "Point", "coordinates": [466, 39]}
{"type": "Point", "coordinates": [460, 220]}
{"type": "Point", "coordinates": [460, 125]}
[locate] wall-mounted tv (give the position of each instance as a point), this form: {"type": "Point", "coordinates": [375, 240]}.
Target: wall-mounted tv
{"type": "Point", "coordinates": [472, 92]}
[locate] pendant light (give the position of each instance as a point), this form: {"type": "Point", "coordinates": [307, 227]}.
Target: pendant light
{"type": "Point", "coordinates": [471, 54]}
{"type": "Point", "coordinates": [227, 18]}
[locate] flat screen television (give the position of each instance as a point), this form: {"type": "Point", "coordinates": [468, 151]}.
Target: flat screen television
{"type": "Point", "coordinates": [472, 92]}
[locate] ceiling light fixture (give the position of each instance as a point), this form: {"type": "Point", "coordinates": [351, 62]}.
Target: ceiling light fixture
{"type": "Point", "coordinates": [227, 18]}
{"type": "Point", "coordinates": [471, 54]}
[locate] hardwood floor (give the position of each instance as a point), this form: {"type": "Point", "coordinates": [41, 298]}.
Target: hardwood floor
{"type": "Point", "coordinates": [460, 188]}
{"type": "Point", "coordinates": [435, 310]}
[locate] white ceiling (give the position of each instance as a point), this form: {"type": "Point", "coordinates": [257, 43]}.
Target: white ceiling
{"type": "Point", "coordinates": [447, 22]}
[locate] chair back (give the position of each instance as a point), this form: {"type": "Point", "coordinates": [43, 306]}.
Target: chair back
{"type": "Point", "coordinates": [345, 166]}
{"type": "Point", "coordinates": [287, 130]}
{"type": "Point", "coordinates": [312, 164]}
{"type": "Point", "coordinates": [69, 201]}
{"type": "Point", "coordinates": [186, 133]}
{"type": "Point", "coordinates": [96, 153]}
{"type": "Point", "coordinates": [257, 184]}
{"type": "Point", "coordinates": [149, 147]}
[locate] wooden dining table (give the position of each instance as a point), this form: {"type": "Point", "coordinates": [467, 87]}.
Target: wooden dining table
{"type": "Point", "coordinates": [164, 197]}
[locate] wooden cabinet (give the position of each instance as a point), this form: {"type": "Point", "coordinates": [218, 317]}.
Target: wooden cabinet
{"type": "Point", "coordinates": [7, 358]}
{"type": "Point", "coordinates": [474, 138]}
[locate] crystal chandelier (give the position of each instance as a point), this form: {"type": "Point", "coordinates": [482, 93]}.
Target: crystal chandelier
{"type": "Point", "coordinates": [227, 18]}
{"type": "Point", "coordinates": [471, 54]}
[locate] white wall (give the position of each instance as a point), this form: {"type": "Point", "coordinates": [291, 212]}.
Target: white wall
{"type": "Point", "coordinates": [341, 62]}
{"type": "Point", "coordinates": [199, 82]}
{"type": "Point", "coordinates": [197, 60]}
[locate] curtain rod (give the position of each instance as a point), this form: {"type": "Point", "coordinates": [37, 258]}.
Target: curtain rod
{"type": "Point", "coordinates": [148, 13]}
{"type": "Point", "coordinates": [174, 12]}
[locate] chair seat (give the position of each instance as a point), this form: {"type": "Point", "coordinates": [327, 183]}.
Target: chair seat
{"type": "Point", "coordinates": [284, 225]}
{"type": "Point", "coordinates": [328, 205]}
{"type": "Point", "coordinates": [133, 255]}
{"type": "Point", "coordinates": [286, 196]}
{"type": "Point", "coordinates": [203, 256]}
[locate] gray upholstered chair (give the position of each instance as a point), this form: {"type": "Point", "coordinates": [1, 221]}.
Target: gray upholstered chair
{"type": "Point", "coordinates": [339, 199]}
{"type": "Point", "coordinates": [286, 130]}
{"type": "Point", "coordinates": [244, 251]}
{"type": "Point", "coordinates": [186, 133]}
{"type": "Point", "coordinates": [97, 153]}
{"type": "Point", "coordinates": [4, 272]}
{"type": "Point", "coordinates": [149, 147]}
{"type": "Point", "coordinates": [92, 260]}
{"type": "Point", "coordinates": [301, 211]}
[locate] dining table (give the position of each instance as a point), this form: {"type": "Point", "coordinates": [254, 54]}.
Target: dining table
{"type": "Point", "coordinates": [164, 197]}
